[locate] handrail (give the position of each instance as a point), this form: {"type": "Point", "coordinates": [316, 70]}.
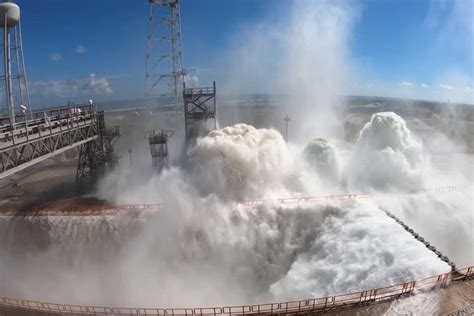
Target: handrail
{"type": "Point", "coordinates": [330, 303]}
{"type": "Point", "coordinates": [290, 200]}
{"type": "Point", "coordinates": [44, 123]}
{"type": "Point", "coordinates": [193, 91]}
{"type": "Point", "coordinates": [49, 110]}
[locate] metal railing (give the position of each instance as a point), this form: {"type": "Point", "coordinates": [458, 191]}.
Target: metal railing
{"type": "Point", "coordinates": [44, 122]}
{"type": "Point", "coordinates": [330, 303]}
{"type": "Point", "coordinates": [199, 91]}
{"type": "Point", "coordinates": [290, 200]}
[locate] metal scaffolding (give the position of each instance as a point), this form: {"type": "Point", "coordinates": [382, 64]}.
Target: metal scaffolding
{"type": "Point", "coordinates": [159, 147]}
{"type": "Point", "coordinates": [164, 72]}
{"type": "Point", "coordinates": [199, 108]}
{"type": "Point", "coordinates": [98, 156]}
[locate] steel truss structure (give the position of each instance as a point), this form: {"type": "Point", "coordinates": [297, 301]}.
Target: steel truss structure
{"type": "Point", "coordinates": [199, 107]}
{"type": "Point", "coordinates": [164, 72]}
{"type": "Point", "coordinates": [97, 156]}
{"type": "Point", "coordinates": [25, 142]}
{"type": "Point", "coordinates": [159, 147]}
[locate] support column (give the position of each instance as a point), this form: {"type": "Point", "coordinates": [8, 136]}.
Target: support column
{"type": "Point", "coordinates": [7, 70]}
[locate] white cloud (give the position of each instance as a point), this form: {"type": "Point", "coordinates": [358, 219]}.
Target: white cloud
{"type": "Point", "coordinates": [424, 85]}
{"type": "Point", "coordinates": [90, 86]}
{"type": "Point", "coordinates": [55, 56]}
{"type": "Point", "coordinates": [406, 84]}
{"type": "Point", "coordinates": [445, 86]}
{"type": "Point", "coordinates": [468, 90]}
{"type": "Point", "coordinates": [81, 49]}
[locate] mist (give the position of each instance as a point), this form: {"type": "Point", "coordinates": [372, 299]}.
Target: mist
{"type": "Point", "coordinates": [204, 246]}
{"type": "Point", "coordinates": [298, 53]}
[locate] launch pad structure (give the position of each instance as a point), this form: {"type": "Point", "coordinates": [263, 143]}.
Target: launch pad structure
{"type": "Point", "coordinates": [164, 71]}
{"type": "Point", "coordinates": [98, 156]}
{"type": "Point", "coordinates": [28, 137]}
{"type": "Point", "coordinates": [165, 74]}
{"type": "Point", "coordinates": [199, 108]}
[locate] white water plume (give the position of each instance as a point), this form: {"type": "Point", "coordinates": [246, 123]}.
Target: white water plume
{"type": "Point", "coordinates": [360, 251]}
{"type": "Point", "coordinates": [322, 156]}
{"type": "Point", "coordinates": [445, 219]}
{"type": "Point", "coordinates": [241, 161]}
{"type": "Point", "coordinates": [387, 157]}
{"type": "Point", "coordinates": [201, 247]}
{"type": "Point", "coordinates": [300, 52]}
{"type": "Point", "coordinates": [218, 254]}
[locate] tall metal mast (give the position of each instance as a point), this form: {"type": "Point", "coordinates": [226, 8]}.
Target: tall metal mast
{"type": "Point", "coordinates": [287, 119]}
{"type": "Point", "coordinates": [15, 80]}
{"type": "Point", "coordinates": [164, 73]}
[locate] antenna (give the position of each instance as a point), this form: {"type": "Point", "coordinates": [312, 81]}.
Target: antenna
{"type": "Point", "coordinates": [164, 72]}
{"type": "Point", "coordinates": [16, 87]}
{"type": "Point", "coordinates": [287, 119]}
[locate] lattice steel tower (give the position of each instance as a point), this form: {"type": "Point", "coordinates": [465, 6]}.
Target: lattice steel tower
{"type": "Point", "coordinates": [15, 96]}
{"type": "Point", "coordinates": [159, 147]}
{"type": "Point", "coordinates": [199, 109]}
{"type": "Point", "coordinates": [98, 156]}
{"type": "Point", "coordinates": [164, 73]}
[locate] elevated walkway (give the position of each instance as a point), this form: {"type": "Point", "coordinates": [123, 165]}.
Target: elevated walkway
{"type": "Point", "coordinates": [36, 136]}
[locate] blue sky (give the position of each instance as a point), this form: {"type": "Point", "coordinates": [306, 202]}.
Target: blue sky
{"type": "Point", "coordinates": [417, 49]}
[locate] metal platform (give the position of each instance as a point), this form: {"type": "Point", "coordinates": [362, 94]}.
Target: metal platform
{"type": "Point", "coordinates": [159, 147]}
{"type": "Point", "coordinates": [36, 136]}
{"type": "Point", "coordinates": [199, 108]}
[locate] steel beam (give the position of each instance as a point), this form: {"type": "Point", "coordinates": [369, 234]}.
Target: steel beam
{"type": "Point", "coordinates": [48, 134]}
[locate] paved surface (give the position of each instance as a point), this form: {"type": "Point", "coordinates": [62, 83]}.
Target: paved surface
{"type": "Point", "coordinates": [51, 181]}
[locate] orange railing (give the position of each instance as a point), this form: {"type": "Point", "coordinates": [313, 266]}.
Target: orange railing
{"type": "Point", "coordinates": [336, 302]}
{"type": "Point", "coordinates": [64, 209]}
